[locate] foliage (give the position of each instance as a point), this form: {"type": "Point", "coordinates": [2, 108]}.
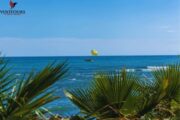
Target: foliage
{"type": "Point", "coordinates": [159, 94]}
{"type": "Point", "coordinates": [124, 96]}
{"type": "Point", "coordinates": [22, 99]}
{"type": "Point", "coordinates": [76, 117]}
{"type": "Point", "coordinates": [106, 96]}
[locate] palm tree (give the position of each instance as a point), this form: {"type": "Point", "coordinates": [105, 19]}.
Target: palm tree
{"type": "Point", "coordinates": [122, 95]}
{"type": "Point", "coordinates": [106, 96]}
{"type": "Point", "coordinates": [164, 89]}
{"type": "Point", "coordinates": [23, 99]}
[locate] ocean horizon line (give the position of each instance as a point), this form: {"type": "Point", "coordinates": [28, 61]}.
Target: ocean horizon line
{"type": "Point", "coordinates": [88, 56]}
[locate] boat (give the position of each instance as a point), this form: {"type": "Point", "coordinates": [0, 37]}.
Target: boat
{"type": "Point", "coordinates": [89, 60]}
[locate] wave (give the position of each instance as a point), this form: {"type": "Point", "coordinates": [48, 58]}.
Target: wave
{"type": "Point", "coordinates": [73, 79]}
{"type": "Point", "coordinates": [147, 69]}
{"type": "Point", "coordinates": [130, 70]}
{"type": "Point", "coordinates": [18, 74]}
{"type": "Point", "coordinates": [153, 68]}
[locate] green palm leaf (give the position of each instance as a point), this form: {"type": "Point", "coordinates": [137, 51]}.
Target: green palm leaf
{"type": "Point", "coordinates": [6, 78]}
{"type": "Point", "coordinates": [29, 94]}
{"type": "Point", "coordinates": [106, 96]}
{"type": "Point", "coordinates": [166, 86]}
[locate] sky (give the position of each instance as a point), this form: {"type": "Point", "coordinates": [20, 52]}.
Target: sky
{"type": "Point", "coordinates": [74, 27]}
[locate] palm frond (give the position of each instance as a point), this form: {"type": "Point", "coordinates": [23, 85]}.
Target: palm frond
{"type": "Point", "coordinates": [6, 79]}
{"type": "Point", "coordinates": [166, 86]}
{"type": "Point", "coordinates": [30, 93]}
{"type": "Point", "coordinates": [106, 96]}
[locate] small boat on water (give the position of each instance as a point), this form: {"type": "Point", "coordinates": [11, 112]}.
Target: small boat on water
{"type": "Point", "coordinates": [93, 53]}
{"type": "Point", "coordinates": [89, 60]}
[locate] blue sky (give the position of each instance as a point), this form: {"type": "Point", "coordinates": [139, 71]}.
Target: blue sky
{"type": "Point", "coordinates": [74, 27]}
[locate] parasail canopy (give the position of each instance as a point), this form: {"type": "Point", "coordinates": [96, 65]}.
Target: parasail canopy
{"type": "Point", "coordinates": [94, 52]}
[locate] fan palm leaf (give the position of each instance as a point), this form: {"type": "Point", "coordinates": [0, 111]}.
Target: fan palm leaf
{"type": "Point", "coordinates": [106, 96]}
{"type": "Point", "coordinates": [166, 86]}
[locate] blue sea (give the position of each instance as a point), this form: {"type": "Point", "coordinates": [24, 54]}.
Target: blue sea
{"type": "Point", "coordinates": [81, 72]}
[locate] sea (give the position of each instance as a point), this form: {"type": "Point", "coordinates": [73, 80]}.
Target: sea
{"type": "Point", "coordinates": [81, 72]}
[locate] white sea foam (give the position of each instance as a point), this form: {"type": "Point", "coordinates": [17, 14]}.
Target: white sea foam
{"type": "Point", "coordinates": [73, 79]}
{"type": "Point", "coordinates": [156, 67]}
{"type": "Point", "coordinates": [18, 74]}
{"type": "Point", "coordinates": [145, 70]}
{"type": "Point", "coordinates": [130, 70]}
{"type": "Point", "coordinates": [153, 68]}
